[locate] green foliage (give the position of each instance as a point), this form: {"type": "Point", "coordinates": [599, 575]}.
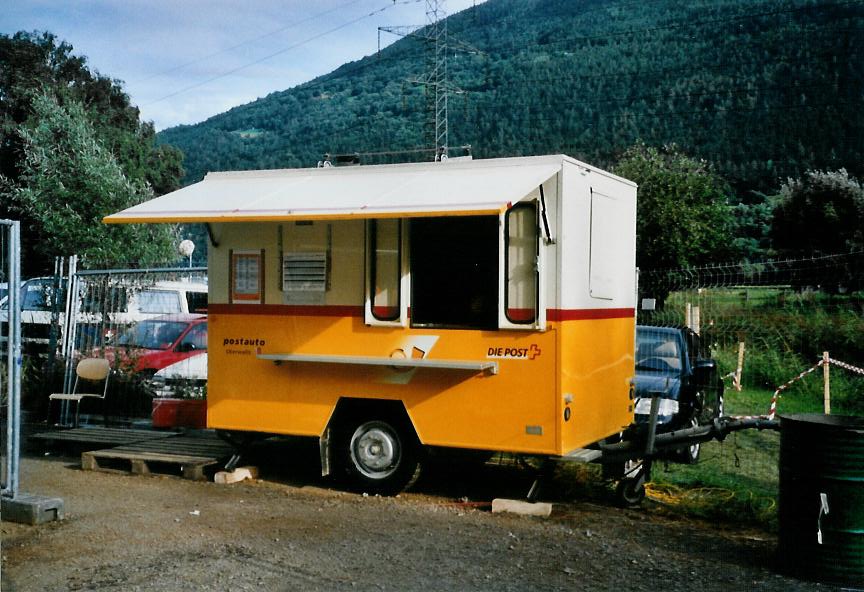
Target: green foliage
{"type": "Point", "coordinates": [682, 216]}
{"type": "Point", "coordinates": [752, 227]}
{"type": "Point", "coordinates": [785, 332]}
{"type": "Point", "coordinates": [764, 90]}
{"type": "Point", "coordinates": [35, 68]}
{"type": "Point", "coordinates": [67, 182]}
{"type": "Point", "coordinates": [822, 212]}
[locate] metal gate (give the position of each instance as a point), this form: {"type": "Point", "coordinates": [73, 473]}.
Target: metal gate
{"type": "Point", "coordinates": [75, 314]}
{"type": "Point", "coordinates": [101, 317]}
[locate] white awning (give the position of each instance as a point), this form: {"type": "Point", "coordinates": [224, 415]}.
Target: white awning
{"type": "Point", "coordinates": [404, 190]}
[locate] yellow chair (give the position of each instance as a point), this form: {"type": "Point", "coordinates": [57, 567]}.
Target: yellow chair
{"type": "Point", "coordinates": [91, 370]}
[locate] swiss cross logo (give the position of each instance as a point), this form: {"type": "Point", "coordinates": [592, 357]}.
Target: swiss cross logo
{"type": "Point", "coordinates": [514, 353]}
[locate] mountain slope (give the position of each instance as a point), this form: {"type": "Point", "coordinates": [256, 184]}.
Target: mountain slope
{"type": "Point", "coordinates": [762, 89]}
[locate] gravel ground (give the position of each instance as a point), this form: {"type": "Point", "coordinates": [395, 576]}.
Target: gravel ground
{"type": "Point", "coordinates": [289, 531]}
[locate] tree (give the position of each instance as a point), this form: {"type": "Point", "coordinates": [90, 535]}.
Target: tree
{"type": "Point", "coordinates": [682, 214]}
{"type": "Point", "coordinates": [67, 181]}
{"type": "Point", "coordinates": [40, 76]}
{"type": "Point", "coordinates": [752, 227]}
{"type": "Point", "coordinates": [821, 213]}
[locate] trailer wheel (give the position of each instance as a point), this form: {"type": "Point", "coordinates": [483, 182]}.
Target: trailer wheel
{"type": "Point", "coordinates": [630, 491]}
{"type": "Point", "coordinates": [378, 455]}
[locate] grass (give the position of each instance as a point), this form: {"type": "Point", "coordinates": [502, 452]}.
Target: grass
{"type": "Point", "coordinates": [735, 480]}
{"type": "Point", "coordinates": [785, 332]}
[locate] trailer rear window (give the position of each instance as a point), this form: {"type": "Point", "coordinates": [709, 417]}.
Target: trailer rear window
{"type": "Point", "coordinates": [385, 268]}
{"type": "Point", "coordinates": [520, 303]}
{"type": "Point", "coordinates": [454, 272]}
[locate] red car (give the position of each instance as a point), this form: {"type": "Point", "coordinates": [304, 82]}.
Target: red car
{"type": "Point", "coordinates": [153, 344]}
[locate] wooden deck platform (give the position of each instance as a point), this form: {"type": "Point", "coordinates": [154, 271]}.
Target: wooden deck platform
{"type": "Point", "coordinates": [187, 456]}
{"type": "Point", "coordinates": [101, 436]}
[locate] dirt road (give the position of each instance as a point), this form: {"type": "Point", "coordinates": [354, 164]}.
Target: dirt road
{"type": "Point", "coordinates": [283, 532]}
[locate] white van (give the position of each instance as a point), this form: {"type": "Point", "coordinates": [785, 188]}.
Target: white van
{"type": "Point", "coordinates": [124, 304]}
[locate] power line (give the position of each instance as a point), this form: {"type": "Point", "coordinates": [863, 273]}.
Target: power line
{"type": "Point", "coordinates": [281, 51]}
{"type": "Point", "coordinates": [246, 42]}
{"type": "Point", "coordinates": [369, 61]}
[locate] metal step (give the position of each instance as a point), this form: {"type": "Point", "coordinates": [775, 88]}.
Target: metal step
{"type": "Point", "coordinates": [582, 455]}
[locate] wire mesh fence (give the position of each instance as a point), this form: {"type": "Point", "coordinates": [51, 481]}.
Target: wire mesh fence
{"type": "Point", "coordinates": [783, 332]}
{"type": "Point", "coordinates": [141, 320]}
{"type": "Point", "coordinates": [740, 330]}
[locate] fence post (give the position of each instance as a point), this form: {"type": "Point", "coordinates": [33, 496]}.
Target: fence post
{"type": "Point", "coordinates": [826, 374]}
{"type": "Point", "coordinates": [688, 315]}
{"type": "Point", "coordinates": [737, 380]}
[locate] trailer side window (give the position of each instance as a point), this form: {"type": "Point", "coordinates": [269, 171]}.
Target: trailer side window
{"type": "Point", "coordinates": [385, 268]}
{"type": "Point", "coordinates": [520, 304]}
{"type": "Point", "coordinates": [454, 272]}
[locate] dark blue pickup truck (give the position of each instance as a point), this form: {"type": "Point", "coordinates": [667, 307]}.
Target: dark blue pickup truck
{"type": "Point", "coordinates": [670, 366]}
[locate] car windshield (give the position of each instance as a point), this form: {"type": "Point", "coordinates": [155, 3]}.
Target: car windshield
{"type": "Point", "coordinates": [657, 351]}
{"type": "Point", "coordinates": [153, 334]}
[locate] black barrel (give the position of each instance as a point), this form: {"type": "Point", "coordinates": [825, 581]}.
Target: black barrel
{"type": "Point", "coordinates": [822, 498]}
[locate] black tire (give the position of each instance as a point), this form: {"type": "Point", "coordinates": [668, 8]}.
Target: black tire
{"type": "Point", "coordinates": [689, 455]}
{"type": "Point", "coordinates": [613, 471]}
{"type": "Point", "coordinates": [630, 492]}
{"type": "Point", "coordinates": [378, 455]}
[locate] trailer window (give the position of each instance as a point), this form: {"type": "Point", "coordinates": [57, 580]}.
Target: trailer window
{"type": "Point", "coordinates": [385, 268]}
{"type": "Point", "coordinates": [454, 272]}
{"type": "Point", "coordinates": [520, 303]}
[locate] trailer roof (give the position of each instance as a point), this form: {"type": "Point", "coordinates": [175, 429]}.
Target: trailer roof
{"type": "Point", "coordinates": [403, 190]}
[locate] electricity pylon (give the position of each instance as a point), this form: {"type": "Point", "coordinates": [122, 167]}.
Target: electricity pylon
{"type": "Point", "coordinates": [434, 80]}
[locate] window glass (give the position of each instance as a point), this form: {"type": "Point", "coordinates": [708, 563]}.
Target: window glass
{"type": "Point", "coordinates": [385, 269]}
{"type": "Point", "coordinates": [152, 334]}
{"type": "Point", "coordinates": [36, 296]}
{"type": "Point", "coordinates": [197, 336]}
{"type": "Point", "coordinates": [657, 350]}
{"type": "Point", "coordinates": [159, 302]}
{"type": "Point", "coordinates": [197, 301]}
{"type": "Point", "coordinates": [521, 266]}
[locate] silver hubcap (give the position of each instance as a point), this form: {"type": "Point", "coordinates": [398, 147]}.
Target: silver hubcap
{"type": "Point", "coordinates": [375, 450]}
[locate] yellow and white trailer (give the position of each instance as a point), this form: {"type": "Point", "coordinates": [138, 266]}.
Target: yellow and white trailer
{"type": "Point", "coordinates": [485, 305]}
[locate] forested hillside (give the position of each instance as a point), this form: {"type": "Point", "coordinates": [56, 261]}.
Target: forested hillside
{"type": "Point", "coordinates": [763, 89]}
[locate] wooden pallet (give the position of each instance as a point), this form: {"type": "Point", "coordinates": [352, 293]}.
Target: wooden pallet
{"type": "Point", "coordinates": [187, 456]}
{"type": "Point", "coordinates": [101, 436]}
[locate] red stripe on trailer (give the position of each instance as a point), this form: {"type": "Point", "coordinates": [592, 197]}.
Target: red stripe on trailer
{"type": "Point", "coordinates": [318, 310]}
{"type": "Point", "coordinates": [586, 314]}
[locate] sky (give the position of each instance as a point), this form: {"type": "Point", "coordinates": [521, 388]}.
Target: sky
{"type": "Point", "coordinates": [182, 61]}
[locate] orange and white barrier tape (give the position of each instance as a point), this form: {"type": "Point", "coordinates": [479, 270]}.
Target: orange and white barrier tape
{"type": "Point", "coordinates": [846, 366]}
{"type": "Point", "coordinates": [773, 410]}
